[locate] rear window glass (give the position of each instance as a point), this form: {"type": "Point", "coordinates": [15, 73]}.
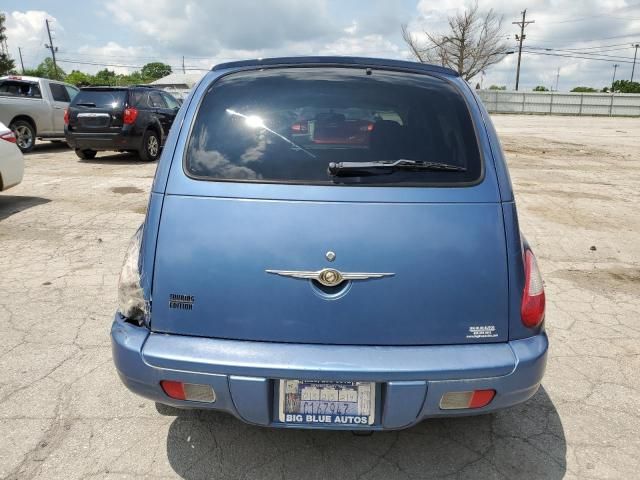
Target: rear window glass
{"type": "Point", "coordinates": [100, 98]}
{"type": "Point", "coordinates": [287, 125]}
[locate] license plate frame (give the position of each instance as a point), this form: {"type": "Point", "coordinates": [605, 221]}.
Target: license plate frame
{"type": "Point", "coordinates": [316, 406]}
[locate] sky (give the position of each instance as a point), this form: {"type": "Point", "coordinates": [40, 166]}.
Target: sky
{"type": "Point", "coordinates": [123, 35]}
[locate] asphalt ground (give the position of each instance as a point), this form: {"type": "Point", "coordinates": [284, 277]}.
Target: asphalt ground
{"type": "Point", "coordinates": [65, 415]}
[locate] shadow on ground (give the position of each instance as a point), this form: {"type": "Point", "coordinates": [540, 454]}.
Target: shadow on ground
{"type": "Point", "coordinates": [115, 158]}
{"type": "Point", "coordinates": [11, 204]}
{"type": "Point", "coordinates": [523, 442]}
{"type": "Point", "coordinates": [45, 146]}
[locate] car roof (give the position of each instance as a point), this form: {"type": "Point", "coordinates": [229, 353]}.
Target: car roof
{"type": "Point", "coordinates": [113, 87]}
{"type": "Point", "coordinates": [336, 61]}
{"type": "Point", "coordinates": [24, 78]}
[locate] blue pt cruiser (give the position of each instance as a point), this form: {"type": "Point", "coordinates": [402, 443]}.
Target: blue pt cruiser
{"type": "Point", "coordinates": [331, 243]}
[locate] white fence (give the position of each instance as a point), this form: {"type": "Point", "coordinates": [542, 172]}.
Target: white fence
{"type": "Point", "coordinates": [619, 104]}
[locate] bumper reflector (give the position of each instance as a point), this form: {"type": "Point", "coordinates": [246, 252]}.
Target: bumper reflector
{"type": "Point", "coordinates": [472, 399]}
{"type": "Point", "coordinates": [188, 391]}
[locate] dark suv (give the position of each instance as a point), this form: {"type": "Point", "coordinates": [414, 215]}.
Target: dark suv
{"type": "Point", "coordinates": [125, 119]}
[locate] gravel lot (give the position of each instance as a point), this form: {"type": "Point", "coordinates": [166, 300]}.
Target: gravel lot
{"type": "Point", "coordinates": [64, 413]}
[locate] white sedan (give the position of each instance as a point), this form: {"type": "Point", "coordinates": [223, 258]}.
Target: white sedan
{"type": "Point", "coordinates": [11, 161]}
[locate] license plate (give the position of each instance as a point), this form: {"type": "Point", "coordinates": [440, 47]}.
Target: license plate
{"type": "Point", "coordinates": [328, 403]}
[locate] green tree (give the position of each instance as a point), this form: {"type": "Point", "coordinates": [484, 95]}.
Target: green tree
{"type": "Point", "coordinates": [79, 79]}
{"type": "Point", "coordinates": [6, 62]}
{"type": "Point", "coordinates": [104, 77]}
{"type": "Point", "coordinates": [46, 69]}
{"type": "Point", "coordinates": [155, 70]}
{"type": "Point", "coordinates": [133, 78]}
{"type": "Point", "coordinates": [625, 86]}
{"type": "Point", "coordinates": [540, 88]}
{"type": "Point", "coordinates": [584, 89]}
{"type": "Point", "coordinates": [497, 87]}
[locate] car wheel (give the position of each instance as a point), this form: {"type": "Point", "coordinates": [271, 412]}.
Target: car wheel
{"type": "Point", "coordinates": [86, 154]}
{"type": "Point", "coordinates": [150, 150]}
{"type": "Point", "coordinates": [25, 135]}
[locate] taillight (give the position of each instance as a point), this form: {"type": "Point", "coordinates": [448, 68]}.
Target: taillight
{"type": "Point", "coordinates": [130, 115]}
{"type": "Point", "coordinates": [8, 136]}
{"type": "Point", "coordinates": [66, 116]}
{"type": "Point", "coordinates": [470, 399]}
{"type": "Point", "coordinates": [533, 300]}
{"type": "Point", "coordinates": [193, 392]}
{"type": "Point", "coordinates": [299, 127]}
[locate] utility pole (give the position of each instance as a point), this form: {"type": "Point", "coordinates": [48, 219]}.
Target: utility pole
{"type": "Point", "coordinates": [21, 62]}
{"type": "Point", "coordinates": [52, 48]}
{"type": "Point", "coordinates": [521, 38]}
{"type": "Point", "coordinates": [557, 78]}
{"type": "Point", "coordinates": [183, 65]}
{"type": "Point", "coordinates": [613, 80]}
{"type": "Point", "coordinates": [633, 69]}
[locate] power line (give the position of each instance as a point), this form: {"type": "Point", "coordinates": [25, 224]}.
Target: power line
{"type": "Point", "coordinates": [635, 34]}
{"type": "Point", "coordinates": [582, 19]}
{"type": "Point", "coordinates": [80, 62]}
{"type": "Point", "coordinates": [598, 54]}
{"type": "Point", "coordinates": [575, 56]}
{"type": "Point", "coordinates": [599, 46]}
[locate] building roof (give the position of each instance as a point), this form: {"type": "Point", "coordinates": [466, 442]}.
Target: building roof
{"type": "Point", "coordinates": [178, 79]}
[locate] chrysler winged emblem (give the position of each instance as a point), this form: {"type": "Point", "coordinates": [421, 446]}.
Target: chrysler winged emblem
{"type": "Point", "coordinates": [329, 277]}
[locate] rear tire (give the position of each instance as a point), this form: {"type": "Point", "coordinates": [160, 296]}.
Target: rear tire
{"type": "Point", "coordinates": [86, 154]}
{"type": "Point", "coordinates": [25, 135]}
{"type": "Point", "coordinates": [150, 150]}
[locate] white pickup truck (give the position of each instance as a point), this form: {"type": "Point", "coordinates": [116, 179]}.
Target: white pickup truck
{"type": "Point", "coordinates": [34, 108]}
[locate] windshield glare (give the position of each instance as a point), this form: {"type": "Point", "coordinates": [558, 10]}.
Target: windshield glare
{"type": "Point", "coordinates": [287, 125]}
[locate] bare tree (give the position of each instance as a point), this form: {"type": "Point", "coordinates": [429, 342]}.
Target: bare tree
{"type": "Point", "coordinates": [474, 42]}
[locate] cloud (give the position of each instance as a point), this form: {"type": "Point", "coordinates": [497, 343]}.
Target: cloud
{"type": "Point", "coordinates": [128, 32]}
{"type": "Point", "coordinates": [559, 24]}
{"type": "Point", "coordinates": [206, 27]}
{"type": "Point", "coordinates": [27, 31]}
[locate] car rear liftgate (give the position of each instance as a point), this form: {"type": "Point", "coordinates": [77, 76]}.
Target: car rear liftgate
{"type": "Point", "coordinates": [446, 269]}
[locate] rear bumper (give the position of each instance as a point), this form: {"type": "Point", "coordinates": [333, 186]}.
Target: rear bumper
{"type": "Point", "coordinates": [243, 374]}
{"type": "Point", "coordinates": [12, 168]}
{"type": "Point", "coordinates": [122, 140]}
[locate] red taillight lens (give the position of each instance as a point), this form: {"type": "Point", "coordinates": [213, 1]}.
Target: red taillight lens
{"type": "Point", "coordinates": [299, 127]}
{"type": "Point", "coordinates": [464, 400]}
{"type": "Point", "coordinates": [193, 392]}
{"type": "Point", "coordinates": [8, 136]}
{"type": "Point", "coordinates": [481, 398]}
{"type": "Point", "coordinates": [66, 116]}
{"type": "Point", "coordinates": [130, 115]}
{"type": "Point", "coordinates": [533, 300]}
{"type": "Point", "coordinates": [173, 389]}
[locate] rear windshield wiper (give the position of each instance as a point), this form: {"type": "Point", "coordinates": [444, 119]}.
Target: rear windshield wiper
{"type": "Point", "coordinates": [385, 167]}
{"type": "Point", "coordinates": [86, 104]}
